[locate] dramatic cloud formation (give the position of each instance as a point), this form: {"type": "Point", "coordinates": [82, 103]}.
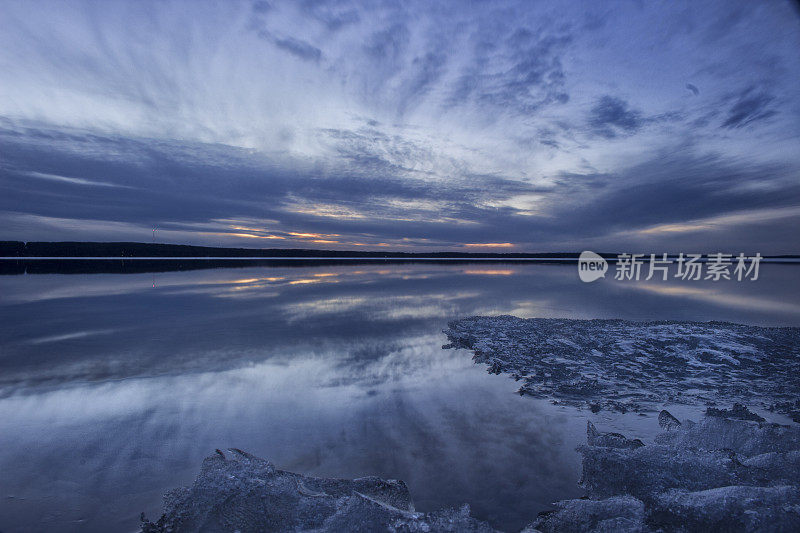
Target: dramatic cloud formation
{"type": "Point", "coordinates": [402, 125]}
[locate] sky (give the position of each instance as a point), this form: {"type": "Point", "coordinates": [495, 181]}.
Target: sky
{"type": "Point", "coordinates": [415, 126]}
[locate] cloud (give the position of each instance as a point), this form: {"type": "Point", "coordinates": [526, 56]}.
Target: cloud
{"type": "Point", "coordinates": [676, 187]}
{"type": "Point", "coordinates": [299, 48]}
{"type": "Point", "coordinates": [73, 181]}
{"type": "Point", "coordinates": [750, 107]}
{"type": "Point", "coordinates": [522, 74]}
{"type": "Point", "coordinates": [184, 186]}
{"type": "Point", "coordinates": [211, 194]}
{"type": "Point", "coordinates": [611, 117]}
{"type": "Point", "coordinates": [393, 123]}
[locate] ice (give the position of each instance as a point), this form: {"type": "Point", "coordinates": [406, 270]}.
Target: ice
{"type": "Point", "coordinates": [647, 470]}
{"type": "Point", "coordinates": [667, 421]}
{"type": "Point", "coordinates": [738, 411]}
{"type": "Point", "coordinates": [734, 508]}
{"type": "Point", "coordinates": [622, 514]}
{"type": "Point", "coordinates": [240, 492]}
{"type": "Point", "coordinates": [622, 365]}
{"type": "Point", "coordinates": [739, 436]}
{"type": "Point", "coordinates": [609, 440]}
{"type": "Point", "coordinates": [722, 473]}
{"type": "Point", "coordinates": [727, 472]}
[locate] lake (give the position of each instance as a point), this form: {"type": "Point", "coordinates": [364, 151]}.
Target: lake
{"type": "Point", "coordinates": [115, 386]}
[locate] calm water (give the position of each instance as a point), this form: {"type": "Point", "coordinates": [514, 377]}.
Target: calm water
{"type": "Point", "coordinates": [115, 386]}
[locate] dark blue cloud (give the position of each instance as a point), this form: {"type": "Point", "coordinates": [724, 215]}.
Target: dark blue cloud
{"type": "Point", "coordinates": [677, 187]}
{"type": "Point", "coordinates": [172, 188]}
{"type": "Point", "coordinates": [611, 117]}
{"type": "Point", "coordinates": [299, 48]}
{"type": "Point", "coordinates": [749, 107]}
{"type": "Point", "coordinates": [164, 185]}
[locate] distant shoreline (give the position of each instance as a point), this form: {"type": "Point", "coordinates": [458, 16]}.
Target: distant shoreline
{"type": "Point", "coordinates": [140, 250]}
{"type": "Point", "coordinates": [293, 258]}
{"type": "Point", "coordinates": [94, 251]}
{"type": "Point", "coordinates": [768, 259]}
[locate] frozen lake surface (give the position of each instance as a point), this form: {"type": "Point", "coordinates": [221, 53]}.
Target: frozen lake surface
{"type": "Point", "coordinates": [114, 387]}
{"type": "Point", "coordinates": [623, 365]}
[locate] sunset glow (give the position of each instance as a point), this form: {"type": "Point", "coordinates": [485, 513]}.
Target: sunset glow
{"type": "Point", "coordinates": [490, 245]}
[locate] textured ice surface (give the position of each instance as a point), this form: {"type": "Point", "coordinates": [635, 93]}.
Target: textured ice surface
{"type": "Point", "coordinates": [720, 474]}
{"type": "Point", "coordinates": [622, 514]}
{"type": "Point", "coordinates": [622, 365]}
{"type": "Point", "coordinates": [241, 492]}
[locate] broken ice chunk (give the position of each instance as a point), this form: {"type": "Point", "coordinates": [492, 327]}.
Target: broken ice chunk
{"type": "Point", "coordinates": [609, 440]}
{"type": "Point", "coordinates": [738, 411]}
{"type": "Point", "coordinates": [241, 492]}
{"type": "Point", "coordinates": [667, 421]}
{"type": "Point", "coordinates": [721, 474]}
{"type": "Point", "coordinates": [734, 508]}
{"type": "Point", "coordinates": [743, 437]}
{"type": "Point", "coordinates": [620, 514]}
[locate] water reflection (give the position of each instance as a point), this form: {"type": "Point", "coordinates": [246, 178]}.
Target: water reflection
{"type": "Point", "coordinates": [113, 389]}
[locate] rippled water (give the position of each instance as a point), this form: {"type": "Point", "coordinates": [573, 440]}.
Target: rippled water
{"type": "Point", "coordinates": [113, 387]}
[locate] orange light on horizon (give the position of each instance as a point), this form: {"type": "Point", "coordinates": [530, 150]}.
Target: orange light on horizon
{"type": "Point", "coordinates": [311, 235]}
{"type": "Point", "coordinates": [490, 245]}
{"type": "Point", "coordinates": [675, 228]}
{"type": "Point", "coordinates": [254, 280]}
{"type": "Point", "coordinates": [251, 236]}
{"type": "Point", "coordinates": [490, 272]}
